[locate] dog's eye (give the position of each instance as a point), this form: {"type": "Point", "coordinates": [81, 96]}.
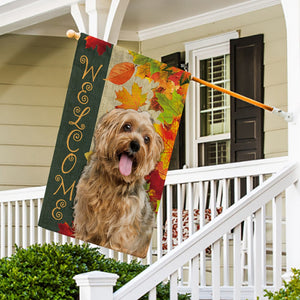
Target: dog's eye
{"type": "Point", "coordinates": [127, 127]}
{"type": "Point", "coordinates": [146, 139]}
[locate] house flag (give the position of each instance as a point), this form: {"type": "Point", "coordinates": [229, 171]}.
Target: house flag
{"type": "Point", "coordinates": [114, 145]}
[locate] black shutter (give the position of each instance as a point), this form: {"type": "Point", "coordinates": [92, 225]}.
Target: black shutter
{"type": "Point", "coordinates": [178, 155]}
{"type": "Point", "coordinates": [246, 78]}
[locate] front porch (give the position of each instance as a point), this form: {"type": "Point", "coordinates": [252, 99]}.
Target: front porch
{"type": "Point", "coordinates": [236, 255]}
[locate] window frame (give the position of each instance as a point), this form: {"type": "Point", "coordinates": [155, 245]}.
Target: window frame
{"type": "Point", "coordinates": [196, 51]}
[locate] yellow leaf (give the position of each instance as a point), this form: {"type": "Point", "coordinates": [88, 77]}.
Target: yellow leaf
{"type": "Point", "coordinates": [133, 100]}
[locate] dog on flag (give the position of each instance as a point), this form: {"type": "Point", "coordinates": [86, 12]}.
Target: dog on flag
{"type": "Point", "coordinates": [111, 206]}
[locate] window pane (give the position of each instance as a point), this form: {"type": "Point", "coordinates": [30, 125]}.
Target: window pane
{"type": "Point", "coordinates": [214, 105]}
{"type": "Point", "coordinates": [214, 153]}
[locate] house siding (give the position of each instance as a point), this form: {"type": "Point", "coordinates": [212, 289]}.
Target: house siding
{"type": "Point", "coordinates": [34, 76]}
{"type": "Point", "coordinates": [271, 23]}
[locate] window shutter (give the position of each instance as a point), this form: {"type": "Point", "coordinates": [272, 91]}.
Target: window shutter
{"type": "Point", "coordinates": [246, 78]}
{"type": "Point", "coordinates": [178, 156]}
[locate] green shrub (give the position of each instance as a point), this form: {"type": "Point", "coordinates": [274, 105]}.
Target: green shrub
{"type": "Point", "coordinates": [290, 291]}
{"type": "Point", "coordinates": [46, 272]}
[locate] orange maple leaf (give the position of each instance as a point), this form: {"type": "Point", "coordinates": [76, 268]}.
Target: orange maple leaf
{"type": "Point", "coordinates": [121, 73]}
{"type": "Point", "coordinates": [134, 100]}
{"type": "Point", "coordinates": [168, 134]}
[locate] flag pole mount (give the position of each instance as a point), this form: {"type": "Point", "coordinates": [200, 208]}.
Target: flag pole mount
{"type": "Point", "coordinates": [71, 34]}
{"type": "Point", "coordinates": [285, 115]}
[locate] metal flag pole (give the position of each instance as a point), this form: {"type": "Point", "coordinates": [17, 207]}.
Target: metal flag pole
{"type": "Point", "coordinates": [285, 115]}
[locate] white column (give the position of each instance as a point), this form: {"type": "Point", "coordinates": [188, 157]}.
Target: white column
{"type": "Point", "coordinates": [98, 11]}
{"type": "Point", "coordinates": [96, 285]}
{"type": "Point", "coordinates": [292, 17]}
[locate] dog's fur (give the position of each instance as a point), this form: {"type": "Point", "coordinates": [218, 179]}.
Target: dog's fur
{"type": "Point", "coordinates": [111, 209]}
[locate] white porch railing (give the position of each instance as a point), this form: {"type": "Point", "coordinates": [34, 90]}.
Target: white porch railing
{"type": "Point", "coordinates": [188, 192]}
{"type": "Point", "coordinates": [252, 205]}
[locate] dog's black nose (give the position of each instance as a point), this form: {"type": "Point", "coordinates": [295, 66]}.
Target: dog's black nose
{"type": "Point", "coordinates": [134, 146]}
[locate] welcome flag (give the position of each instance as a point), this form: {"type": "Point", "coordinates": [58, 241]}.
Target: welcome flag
{"type": "Point", "coordinates": [104, 77]}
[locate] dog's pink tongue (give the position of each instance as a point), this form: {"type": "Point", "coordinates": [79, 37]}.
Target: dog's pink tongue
{"type": "Point", "coordinates": [125, 165]}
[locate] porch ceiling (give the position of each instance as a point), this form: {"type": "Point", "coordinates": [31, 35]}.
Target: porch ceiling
{"type": "Point", "coordinates": [143, 19]}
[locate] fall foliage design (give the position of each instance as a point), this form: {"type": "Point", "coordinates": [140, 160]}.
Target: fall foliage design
{"type": "Point", "coordinates": [167, 98]}
{"type": "Point", "coordinates": [94, 43]}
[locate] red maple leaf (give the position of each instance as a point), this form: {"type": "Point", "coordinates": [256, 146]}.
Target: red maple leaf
{"type": "Point", "coordinates": [94, 43]}
{"type": "Point", "coordinates": [64, 228]}
{"type": "Point", "coordinates": [176, 77]}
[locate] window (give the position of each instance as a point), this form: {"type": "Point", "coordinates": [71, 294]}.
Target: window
{"type": "Point", "coordinates": [208, 110]}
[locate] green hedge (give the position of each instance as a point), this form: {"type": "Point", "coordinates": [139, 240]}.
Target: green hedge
{"type": "Point", "coordinates": [290, 291]}
{"type": "Point", "coordinates": [47, 271]}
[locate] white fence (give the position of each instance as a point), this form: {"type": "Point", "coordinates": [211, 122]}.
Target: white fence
{"type": "Point", "coordinates": [191, 251]}
{"type": "Point", "coordinates": [191, 198]}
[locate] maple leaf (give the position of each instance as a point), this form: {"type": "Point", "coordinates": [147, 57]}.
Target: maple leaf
{"type": "Point", "coordinates": [185, 78]}
{"type": "Point", "coordinates": [64, 228]}
{"type": "Point", "coordinates": [121, 73]}
{"type": "Point", "coordinates": [168, 134]}
{"type": "Point", "coordinates": [172, 108]}
{"type": "Point", "coordinates": [133, 100]}
{"type": "Point", "coordinates": [176, 76]}
{"type": "Point", "coordinates": [139, 59]}
{"type": "Point", "coordinates": [94, 43]}
{"type": "Point", "coordinates": [143, 71]}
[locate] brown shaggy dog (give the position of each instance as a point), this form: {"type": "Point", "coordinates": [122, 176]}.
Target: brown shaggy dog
{"type": "Point", "coordinates": [111, 205]}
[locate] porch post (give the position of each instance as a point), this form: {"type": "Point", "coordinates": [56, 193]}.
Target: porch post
{"type": "Point", "coordinates": [96, 285]}
{"type": "Point", "coordinates": [291, 10]}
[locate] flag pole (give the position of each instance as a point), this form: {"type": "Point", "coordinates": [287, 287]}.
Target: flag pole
{"type": "Point", "coordinates": [287, 116]}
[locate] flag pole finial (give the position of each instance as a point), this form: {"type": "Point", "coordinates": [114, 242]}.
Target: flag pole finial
{"type": "Point", "coordinates": [73, 34]}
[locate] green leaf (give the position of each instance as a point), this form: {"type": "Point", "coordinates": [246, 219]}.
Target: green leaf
{"type": "Point", "coordinates": [172, 108]}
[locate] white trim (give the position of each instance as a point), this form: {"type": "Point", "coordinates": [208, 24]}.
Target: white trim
{"type": "Point", "coordinates": [13, 19]}
{"type": "Point", "coordinates": [195, 50]}
{"type": "Point", "coordinates": [206, 18]}
{"type": "Point", "coordinates": [214, 138]}
{"type": "Point", "coordinates": [114, 20]}
{"type": "Point", "coordinates": [211, 42]}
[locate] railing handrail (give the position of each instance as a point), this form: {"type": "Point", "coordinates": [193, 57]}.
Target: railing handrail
{"type": "Point", "coordinates": [241, 169]}
{"type": "Point", "coordinates": [23, 194]}
{"type": "Point", "coordinates": [207, 235]}
{"type": "Point", "coordinates": [230, 170]}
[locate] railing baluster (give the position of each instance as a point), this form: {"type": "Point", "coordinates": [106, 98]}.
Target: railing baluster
{"type": "Point", "coordinates": [149, 254]}
{"type": "Point", "coordinates": [24, 224]}
{"type": "Point", "coordinates": [17, 223]}
{"type": "Point", "coordinates": [179, 228]}
{"type": "Point", "coordinates": [190, 208]}
{"type": "Point", "coordinates": [277, 240]}
{"type": "Point", "coordinates": [258, 288]}
{"type": "Point", "coordinates": [9, 229]}
{"type": "Point", "coordinates": [237, 189]}
{"type": "Point", "coordinates": [152, 294]}
{"type": "Point", "coordinates": [250, 249]}
{"type": "Point", "coordinates": [40, 230]}
{"type": "Point", "coordinates": [169, 217]}
{"type": "Point", "coordinates": [32, 223]}
{"type": "Point", "coordinates": [159, 230]}
{"type": "Point", "coordinates": [237, 268]}
{"type": "Point", "coordinates": [212, 200]}
{"type": "Point", "coordinates": [202, 219]}
{"type": "Point", "coordinates": [2, 225]}
{"type": "Point", "coordinates": [225, 205]}
{"type": "Point", "coordinates": [194, 281]}
{"type": "Point", "coordinates": [173, 286]}
{"type": "Point", "coordinates": [215, 261]}
{"type": "Point", "coordinates": [48, 237]}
